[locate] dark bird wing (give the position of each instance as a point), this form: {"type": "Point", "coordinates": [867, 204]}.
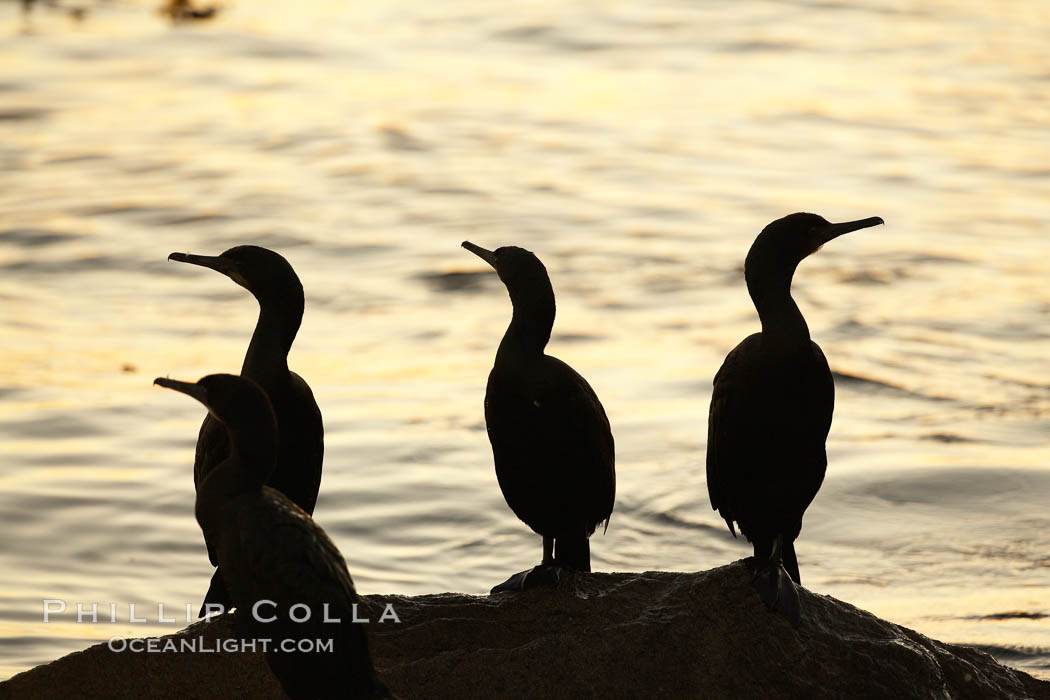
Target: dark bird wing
{"type": "Point", "coordinates": [291, 561]}
{"type": "Point", "coordinates": [554, 450]}
{"type": "Point", "coordinates": [212, 448]}
{"type": "Point", "coordinates": [302, 448]}
{"type": "Point", "coordinates": [290, 550]}
{"type": "Point", "coordinates": [770, 416]}
{"type": "Point", "coordinates": [724, 434]}
{"type": "Point", "coordinates": [582, 420]}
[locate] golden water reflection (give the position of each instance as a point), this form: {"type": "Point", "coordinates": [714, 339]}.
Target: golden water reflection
{"type": "Point", "coordinates": [637, 149]}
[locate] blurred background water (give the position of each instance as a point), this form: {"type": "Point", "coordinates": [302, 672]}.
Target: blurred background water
{"type": "Point", "coordinates": [637, 147]}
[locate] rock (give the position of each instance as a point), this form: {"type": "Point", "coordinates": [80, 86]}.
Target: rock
{"type": "Point", "coordinates": [657, 634]}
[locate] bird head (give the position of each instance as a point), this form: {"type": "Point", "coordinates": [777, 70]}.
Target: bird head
{"type": "Point", "coordinates": [521, 271]}
{"type": "Point", "coordinates": [783, 244]}
{"type": "Point", "coordinates": [797, 236]}
{"type": "Point", "coordinates": [529, 286]}
{"type": "Point", "coordinates": [517, 267]}
{"type": "Point", "coordinates": [264, 273]}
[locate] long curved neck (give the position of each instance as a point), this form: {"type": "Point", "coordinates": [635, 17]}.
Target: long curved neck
{"type": "Point", "coordinates": [274, 333]}
{"type": "Point", "coordinates": [530, 326]}
{"type": "Point", "coordinates": [770, 288]}
{"type": "Point", "coordinates": [234, 478]}
{"type": "Point", "coordinates": [252, 436]}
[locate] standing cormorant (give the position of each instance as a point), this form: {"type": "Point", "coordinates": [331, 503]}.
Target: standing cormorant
{"type": "Point", "coordinates": [278, 565]}
{"type": "Point", "coordinates": [771, 411]}
{"type": "Point", "coordinates": [550, 437]}
{"type": "Point", "coordinates": [273, 282]}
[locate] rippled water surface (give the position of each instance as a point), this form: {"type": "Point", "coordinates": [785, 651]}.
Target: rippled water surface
{"type": "Point", "coordinates": [637, 148]}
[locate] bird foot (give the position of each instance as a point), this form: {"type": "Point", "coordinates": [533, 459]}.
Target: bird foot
{"type": "Point", "coordinates": [777, 590]}
{"type": "Point", "coordinates": [542, 575]}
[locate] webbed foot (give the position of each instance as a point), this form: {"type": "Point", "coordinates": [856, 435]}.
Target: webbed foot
{"type": "Point", "coordinates": [536, 577]}
{"type": "Point", "coordinates": [775, 587]}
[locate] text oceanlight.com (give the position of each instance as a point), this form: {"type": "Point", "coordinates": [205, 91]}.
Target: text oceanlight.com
{"type": "Point", "coordinates": [214, 646]}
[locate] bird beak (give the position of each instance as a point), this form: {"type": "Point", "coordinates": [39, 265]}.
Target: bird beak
{"type": "Point", "coordinates": [189, 388]}
{"type": "Point", "coordinates": [486, 255]}
{"type": "Point", "coordinates": [826, 233]}
{"type": "Point", "coordinates": [215, 262]}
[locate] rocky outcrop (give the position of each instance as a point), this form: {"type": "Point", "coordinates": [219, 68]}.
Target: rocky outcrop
{"type": "Point", "coordinates": [657, 634]}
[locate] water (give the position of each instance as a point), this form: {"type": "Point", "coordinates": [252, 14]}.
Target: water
{"type": "Point", "coordinates": [638, 148]}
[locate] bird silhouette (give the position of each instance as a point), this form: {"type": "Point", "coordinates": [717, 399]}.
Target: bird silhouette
{"type": "Point", "coordinates": [771, 411]}
{"type": "Point", "coordinates": [274, 557]}
{"type": "Point", "coordinates": [273, 282]}
{"type": "Point", "coordinates": [551, 442]}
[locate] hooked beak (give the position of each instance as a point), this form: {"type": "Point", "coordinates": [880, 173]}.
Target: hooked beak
{"type": "Point", "coordinates": [826, 233]}
{"type": "Point", "coordinates": [486, 255]}
{"type": "Point", "coordinates": [189, 388]}
{"type": "Point", "coordinates": [215, 262]}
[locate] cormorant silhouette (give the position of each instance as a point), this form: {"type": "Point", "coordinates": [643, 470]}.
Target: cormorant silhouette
{"type": "Point", "coordinates": [771, 411]}
{"type": "Point", "coordinates": [551, 440]}
{"type": "Point", "coordinates": [273, 282]}
{"type": "Point", "coordinates": [274, 557]}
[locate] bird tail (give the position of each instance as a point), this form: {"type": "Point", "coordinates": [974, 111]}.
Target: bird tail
{"type": "Point", "coordinates": [216, 595]}
{"type": "Point", "coordinates": [774, 583]}
{"type": "Point", "coordinates": [573, 552]}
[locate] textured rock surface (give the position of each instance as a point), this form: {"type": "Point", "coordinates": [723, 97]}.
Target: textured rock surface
{"type": "Point", "coordinates": [657, 634]}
